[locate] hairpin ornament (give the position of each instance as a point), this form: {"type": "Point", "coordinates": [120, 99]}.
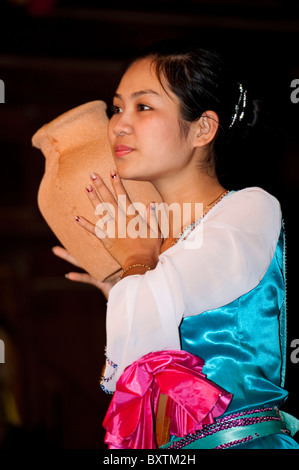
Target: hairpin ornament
{"type": "Point", "coordinates": [241, 105]}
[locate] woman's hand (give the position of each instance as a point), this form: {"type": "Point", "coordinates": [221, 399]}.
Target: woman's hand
{"type": "Point", "coordinates": [127, 236]}
{"type": "Point", "coordinates": [82, 277]}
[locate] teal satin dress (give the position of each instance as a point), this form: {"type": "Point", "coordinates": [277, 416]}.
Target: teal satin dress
{"type": "Point", "coordinates": [243, 345]}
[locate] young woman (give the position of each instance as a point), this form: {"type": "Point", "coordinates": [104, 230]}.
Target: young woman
{"type": "Point", "coordinates": [196, 324]}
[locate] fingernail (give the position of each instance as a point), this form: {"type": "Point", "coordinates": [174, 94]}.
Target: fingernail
{"type": "Point", "coordinates": [93, 176]}
{"type": "Point", "coordinates": [89, 188]}
{"type": "Point", "coordinates": [113, 174]}
{"type": "Point", "coordinates": [66, 275]}
{"type": "Point", "coordinates": [77, 218]}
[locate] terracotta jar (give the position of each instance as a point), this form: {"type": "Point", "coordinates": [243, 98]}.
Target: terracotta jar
{"type": "Point", "coordinates": [74, 145]}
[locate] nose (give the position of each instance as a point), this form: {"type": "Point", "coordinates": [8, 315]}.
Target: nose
{"type": "Point", "coordinates": [121, 125]}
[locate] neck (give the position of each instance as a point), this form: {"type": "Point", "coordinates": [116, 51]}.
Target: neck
{"type": "Point", "coordinates": [198, 190]}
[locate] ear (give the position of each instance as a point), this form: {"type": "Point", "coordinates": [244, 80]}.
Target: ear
{"type": "Point", "coordinates": [206, 128]}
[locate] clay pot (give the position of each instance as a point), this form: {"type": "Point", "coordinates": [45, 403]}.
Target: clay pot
{"type": "Point", "coordinates": [74, 145]}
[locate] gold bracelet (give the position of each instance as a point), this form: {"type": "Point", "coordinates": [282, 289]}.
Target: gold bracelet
{"type": "Point", "coordinates": [135, 266]}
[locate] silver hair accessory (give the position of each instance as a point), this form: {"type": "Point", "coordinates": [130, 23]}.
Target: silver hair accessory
{"type": "Point", "coordinates": [241, 104]}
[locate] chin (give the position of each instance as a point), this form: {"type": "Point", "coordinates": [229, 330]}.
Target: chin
{"type": "Point", "coordinates": [131, 174]}
{"type": "Point", "coordinates": [134, 177]}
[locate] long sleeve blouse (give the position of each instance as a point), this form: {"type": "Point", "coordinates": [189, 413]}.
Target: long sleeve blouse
{"type": "Point", "coordinates": [223, 258]}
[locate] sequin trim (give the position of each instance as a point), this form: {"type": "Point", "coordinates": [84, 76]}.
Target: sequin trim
{"type": "Point", "coordinates": [104, 379]}
{"type": "Point", "coordinates": [240, 419]}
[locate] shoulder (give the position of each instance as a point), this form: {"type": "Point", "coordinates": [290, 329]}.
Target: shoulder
{"type": "Point", "coordinates": [253, 204]}
{"type": "Point", "coordinates": [254, 196]}
{"type": "Point", "coordinates": [252, 215]}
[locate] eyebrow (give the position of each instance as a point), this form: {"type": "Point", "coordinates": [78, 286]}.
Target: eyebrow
{"type": "Point", "coordinates": [136, 94]}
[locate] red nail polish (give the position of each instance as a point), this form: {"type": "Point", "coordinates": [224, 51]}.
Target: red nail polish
{"type": "Point", "coordinates": [89, 189]}
{"type": "Point", "coordinates": [113, 175]}
{"type": "Point", "coordinates": [77, 218]}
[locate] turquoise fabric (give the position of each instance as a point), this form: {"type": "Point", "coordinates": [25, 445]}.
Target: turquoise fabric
{"type": "Point", "coordinates": [243, 345]}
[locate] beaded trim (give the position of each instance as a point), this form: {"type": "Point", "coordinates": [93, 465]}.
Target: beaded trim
{"type": "Point", "coordinates": [107, 379]}
{"type": "Point", "coordinates": [187, 230]}
{"type": "Point", "coordinates": [234, 420]}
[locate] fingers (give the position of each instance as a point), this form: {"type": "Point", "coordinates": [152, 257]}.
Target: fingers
{"type": "Point", "coordinates": [120, 192]}
{"type": "Point", "coordinates": [99, 193]}
{"type": "Point", "coordinates": [81, 277]}
{"type": "Point", "coordinates": [107, 206]}
{"type": "Point", "coordinates": [86, 278]}
{"type": "Point", "coordinates": [85, 224]}
{"type": "Point", "coordinates": [65, 255]}
{"type": "Point", "coordinates": [112, 202]}
{"type": "Point", "coordinates": [114, 210]}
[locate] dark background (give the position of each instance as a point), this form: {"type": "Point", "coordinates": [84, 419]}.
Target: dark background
{"type": "Point", "coordinates": [55, 55]}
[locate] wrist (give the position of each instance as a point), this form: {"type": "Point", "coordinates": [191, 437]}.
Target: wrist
{"type": "Point", "coordinates": [146, 261]}
{"type": "Point", "coordinates": [137, 268]}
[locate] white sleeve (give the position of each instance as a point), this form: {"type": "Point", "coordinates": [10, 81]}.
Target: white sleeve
{"type": "Point", "coordinates": [224, 257]}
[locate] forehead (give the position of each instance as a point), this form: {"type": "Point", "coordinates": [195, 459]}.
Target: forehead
{"type": "Point", "coordinates": [141, 75]}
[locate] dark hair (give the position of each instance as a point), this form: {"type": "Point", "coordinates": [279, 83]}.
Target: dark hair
{"type": "Point", "coordinates": [202, 82]}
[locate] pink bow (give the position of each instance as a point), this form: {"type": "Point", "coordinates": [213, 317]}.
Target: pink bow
{"type": "Point", "coordinates": [193, 400]}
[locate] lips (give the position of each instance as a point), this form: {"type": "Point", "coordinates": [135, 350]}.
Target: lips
{"type": "Point", "coordinates": [121, 150]}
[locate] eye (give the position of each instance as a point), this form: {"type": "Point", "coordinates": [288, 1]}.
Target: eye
{"type": "Point", "coordinates": [116, 109]}
{"type": "Point", "coordinates": [143, 107]}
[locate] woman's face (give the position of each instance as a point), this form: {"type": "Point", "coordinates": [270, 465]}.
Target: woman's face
{"type": "Point", "coordinates": [144, 132]}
